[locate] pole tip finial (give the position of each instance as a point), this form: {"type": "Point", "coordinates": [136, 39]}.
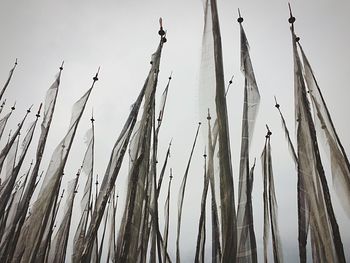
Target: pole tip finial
{"type": "Point", "coordinates": [269, 133]}
{"type": "Point", "coordinates": [171, 75]}
{"type": "Point", "coordinates": [61, 67]}
{"type": "Point", "coordinates": [161, 31]}
{"type": "Point", "coordinates": [30, 108]}
{"type": "Point", "coordinates": [92, 116]}
{"type": "Point", "coordinates": [96, 75]}
{"type": "Point", "coordinates": [291, 19]}
{"type": "Point", "coordinates": [276, 103]}
{"type": "Point", "coordinates": [240, 18]}
{"type": "Point", "coordinates": [38, 113]}
{"type": "Point", "coordinates": [208, 116]}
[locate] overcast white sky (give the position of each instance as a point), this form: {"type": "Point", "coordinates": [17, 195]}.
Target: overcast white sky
{"type": "Point", "coordinates": [121, 35]}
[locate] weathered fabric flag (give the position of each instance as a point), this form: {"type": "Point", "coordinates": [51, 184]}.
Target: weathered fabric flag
{"type": "Point", "coordinates": [85, 204]}
{"type": "Point", "coordinates": [117, 158]}
{"type": "Point", "coordinates": [38, 234]}
{"type": "Point", "coordinates": [328, 136]}
{"type": "Point", "coordinates": [270, 205]}
{"type": "Point", "coordinates": [58, 246]}
{"type": "Point", "coordinates": [303, 209]}
{"type": "Point", "coordinates": [323, 224]}
{"type": "Point", "coordinates": [49, 106]}
{"type": "Point", "coordinates": [212, 86]}
{"type": "Point", "coordinates": [246, 243]}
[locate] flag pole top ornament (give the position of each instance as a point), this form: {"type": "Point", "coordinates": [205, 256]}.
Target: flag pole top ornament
{"type": "Point", "coordinates": [92, 116]}
{"type": "Point", "coordinates": [276, 104]}
{"type": "Point", "coordinates": [38, 113]}
{"type": "Point", "coordinates": [30, 108]}
{"type": "Point", "coordinates": [240, 18]}
{"type": "Point", "coordinates": [96, 76]}
{"type": "Point", "coordinates": [171, 174]}
{"type": "Point", "coordinates": [269, 133]}
{"type": "Point", "coordinates": [161, 31]}
{"type": "Point", "coordinates": [61, 67]}
{"type": "Point", "coordinates": [291, 19]}
{"type": "Point", "coordinates": [208, 116]}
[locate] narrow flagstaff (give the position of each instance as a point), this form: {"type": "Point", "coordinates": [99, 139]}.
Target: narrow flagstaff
{"type": "Point", "coordinates": [167, 219]}
{"type": "Point", "coordinates": [87, 168]}
{"type": "Point", "coordinates": [181, 197]}
{"type": "Point", "coordinates": [323, 224]}
{"type": "Point", "coordinates": [2, 105]}
{"type": "Point", "coordinates": [201, 236]}
{"type": "Point", "coordinates": [162, 172]}
{"type": "Point", "coordinates": [154, 193]}
{"type": "Point", "coordinates": [270, 204]}
{"type": "Point", "coordinates": [229, 85]}
{"type": "Point", "coordinates": [108, 211]}
{"type": "Point", "coordinates": [8, 80]}
{"type": "Point", "coordinates": [246, 241]}
{"type": "Point", "coordinates": [216, 244]}
{"type": "Point", "coordinates": [303, 209]}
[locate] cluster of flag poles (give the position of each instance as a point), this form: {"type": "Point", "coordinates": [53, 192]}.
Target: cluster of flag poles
{"type": "Point", "coordinates": [31, 231]}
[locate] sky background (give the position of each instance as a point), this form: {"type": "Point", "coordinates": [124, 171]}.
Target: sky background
{"type": "Point", "coordinates": [120, 36]}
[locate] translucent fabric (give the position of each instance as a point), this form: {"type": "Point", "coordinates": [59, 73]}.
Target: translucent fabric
{"type": "Point", "coordinates": [7, 187]}
{"type": "Point", "coordinates": [9, 144]}
{"type": "Point", "coordinates": [201, 236]}
{"type": "Point", "coordinates": [270, 206]}
{"type": "Point", "coordinates": [323, 225]}
{"type": "Point", "coordinates": [329, 138]}
{"type": "Point", "coordinates": [42, 208]}
{"type": "Point", "coordinates": [3, 123]}
{"type": "Point", "coordinates": [111, 255]}
{"type": "Point", "coordinates": [115, 162]}
{"type": "Point", "coordinates": [58, 247]}
{"type": "Point", "coordinates": [50, 101]}
{"type": "Point", "coordinates": [86, 170]}
{"type": "Point", "coordinates": [246, 243]}
{"type": "Point", "coordinates": [212, 86]}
